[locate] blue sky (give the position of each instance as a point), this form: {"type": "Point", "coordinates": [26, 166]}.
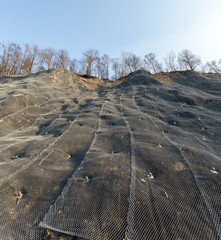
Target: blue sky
{"type": "Point", "coordinates": [113, 26]}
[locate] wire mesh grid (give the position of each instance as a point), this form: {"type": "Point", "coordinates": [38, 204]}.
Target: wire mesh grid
{"type": "Point", "coordinates": [149, 168]}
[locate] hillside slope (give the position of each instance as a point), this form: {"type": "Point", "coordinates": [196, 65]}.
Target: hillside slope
{"type": "Point", "coordinates": [138, 158]}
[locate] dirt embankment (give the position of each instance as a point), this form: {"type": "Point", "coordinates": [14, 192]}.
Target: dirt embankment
{"type": "Point", "coordinates": [138, 158]}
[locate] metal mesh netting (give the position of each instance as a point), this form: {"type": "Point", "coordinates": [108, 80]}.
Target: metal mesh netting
{"type": "Point", "coordinates": [138, 161]}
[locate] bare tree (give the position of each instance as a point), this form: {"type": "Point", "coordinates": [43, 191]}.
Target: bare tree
{"type": "Point", "coordinates": [5, 58]}
{"type": "Point", "coordinates": [90, 56]}
{"type": "Point", "coordinates": [62, 58]}
{"type": "Point", "coordinates": [10, 58]}
{"type": "Point", "coordinates": [31, 58]}
{"type": "Point", "coordinates": [99, 68]}
{"type": "Point", "coordinates": [47, 57]}
{"type": "Point", "coordinates": [74, 65]}
{"type": "Point", "coordinates": [15, 59]}
{"type": "Point", "coordinates": [123, 69]}
{"type": "Point", "coordinates": [203, 68]}
{"type": "Point", "coordinates": [82, 67]}
{"type": "Point", "coordinates": [2, 58]}
{"type": "Point", "coordinates": [152, 64]}
{"type": "Point", "coordinates": [126, 61]}
{"type": "Point", "coordinates": [115, 68]}
{"type": "Point", "coordinates": [102, 66]}
{"type": "Point", "coordinates": [188, 61]}
{"type": "Point", "coordinates": [41, 60]}
{"type": "Point", "coordinates": [131, 62]}
{"type": "Point", "coordinates": [23, 58]}
{"type": "Point", "coordinates": [170, 62]}
{"type": "Point", "coordinates": [6, 61]}
{"type": "Point", "coordinates": [119, 68]}
{"type": "Point", "coordinates": [213, 66]}
{"type": "Point", "coordinates": [136, 62]}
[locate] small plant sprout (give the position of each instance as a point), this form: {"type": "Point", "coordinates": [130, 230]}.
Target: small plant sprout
{"type": "Point", "coordinates": [203, 138]}
{"type": "Point", "coordinates": [150, 176]}
{"type": "Point", "coordinates": [48, 232]}
{"type": "Point", "coordinates": [213, 170]}
{"type": "Point", "coordinates": [86, 179]}
{"type": "Point", "coordinates": [19, 197]}
{"type": "Point", "coordinates": [166, 194]}
{"type": "Point", "coordinates": [105, 238]}
{"type": "Point", "coordinates": [159, 145]}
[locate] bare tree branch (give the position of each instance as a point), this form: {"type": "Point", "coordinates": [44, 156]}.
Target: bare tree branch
{"type": "Point", "coordinates": [152, 64]}
{"type": "Point", "coordinates": [188, 61]}
{"type": "Point", "coordinates": [90, 56]}
{"type": "Point", "coordinates": [170, 62]}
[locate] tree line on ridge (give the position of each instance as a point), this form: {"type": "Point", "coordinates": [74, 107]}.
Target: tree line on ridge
{"type": "Point", "coordinates": [16, 60]}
